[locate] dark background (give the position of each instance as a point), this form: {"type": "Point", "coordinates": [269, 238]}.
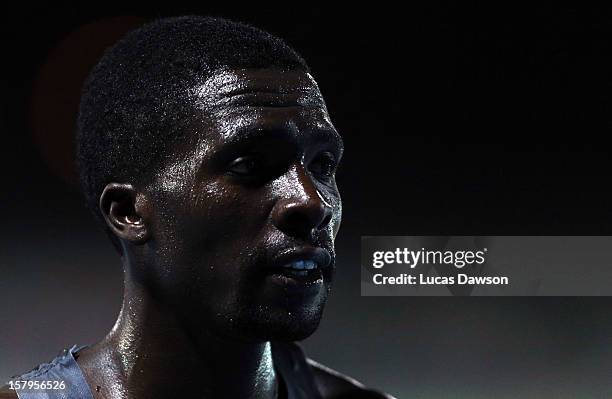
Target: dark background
{"type": "Point", "coordinates": [457, 120]}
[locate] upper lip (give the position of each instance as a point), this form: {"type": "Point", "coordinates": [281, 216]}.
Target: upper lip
{"type": "Point", "coordinates": [321, 256]}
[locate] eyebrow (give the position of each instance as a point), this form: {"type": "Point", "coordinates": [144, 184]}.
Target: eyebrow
{"type": "Point", "coordinates": [249, 134]}
{"type": "Point", "coordinates": [272, 99]}
{"type": "Point", "coordinates": [228, 85]}
{"type": "Point", "coordinates": [245, 97]}
{"type": "Point", "coordinates": [330, 135]}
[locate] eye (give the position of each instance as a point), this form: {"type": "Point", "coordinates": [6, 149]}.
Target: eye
{"type": "Point", "coordinates": [245, 166]}
{"type": "Point", "coordinates": [323, 166]}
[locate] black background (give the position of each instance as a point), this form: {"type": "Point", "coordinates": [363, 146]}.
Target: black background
{"type": "Point", "coordinates": [457, 119]}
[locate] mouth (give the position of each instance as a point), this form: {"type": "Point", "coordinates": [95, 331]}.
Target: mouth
{"type": "Point", "coordinates": [300, 271]}
{"type": "Point", "coordinates": [303, 266]}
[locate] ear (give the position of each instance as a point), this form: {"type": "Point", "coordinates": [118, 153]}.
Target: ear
{"type": "Point", "coordinates": [121, 205]}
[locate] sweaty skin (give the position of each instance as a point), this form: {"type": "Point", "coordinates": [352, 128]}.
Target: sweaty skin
{"type": "Point", "coordinates": [247, 189]}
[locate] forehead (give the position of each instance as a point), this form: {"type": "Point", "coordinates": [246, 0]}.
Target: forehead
{"type": "Point", "coordinates": [238, 109]}
{"type": "Point", "coordinates": [236, 86]}
{"type": "Point", "coordinates": [266, 99]}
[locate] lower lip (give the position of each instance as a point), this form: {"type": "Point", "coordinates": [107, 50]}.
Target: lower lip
{"type": "Point", "coordinates": [312, 281]}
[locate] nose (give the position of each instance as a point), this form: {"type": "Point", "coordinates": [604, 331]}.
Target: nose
{"type": "Point", "coordinates": [301, 210]}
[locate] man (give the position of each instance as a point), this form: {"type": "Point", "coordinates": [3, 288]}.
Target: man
{"type": "Point", "coordinates": [206, 150]}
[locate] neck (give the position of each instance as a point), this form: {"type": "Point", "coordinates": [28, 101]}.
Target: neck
{"type": "Point", "coordinates": [150, 354]}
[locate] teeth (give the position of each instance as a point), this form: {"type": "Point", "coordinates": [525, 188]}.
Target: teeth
{"type": "Point", "coordinates": [302, 265]}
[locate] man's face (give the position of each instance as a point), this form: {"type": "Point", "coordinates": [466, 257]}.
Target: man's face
{"type": "Point", "coordinates": [244, 216]}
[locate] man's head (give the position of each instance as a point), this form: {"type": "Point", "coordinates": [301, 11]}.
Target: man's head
{"type": "Point", "coordinates": [205, 148]}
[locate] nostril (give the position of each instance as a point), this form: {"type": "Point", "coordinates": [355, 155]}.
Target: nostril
{"type": "Point", "coordinates": [296, 224]}
{"type": "Point", "coordinates": [297, 221]}
{"type": "Point", "coordinates": [325, 222]}
{"type": "Point", "coordinates": [300, 218]}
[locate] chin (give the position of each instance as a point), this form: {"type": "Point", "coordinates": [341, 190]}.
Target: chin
{"type": "Point", "coordinates": [283, 332]}
{"type": "Point", "coordinates": [265, 324]}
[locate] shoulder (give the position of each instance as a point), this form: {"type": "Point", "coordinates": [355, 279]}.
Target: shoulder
{"type": "Point", "coordinates": [7, 393]}
{"type": "Point", "coordinates": [334, 385]}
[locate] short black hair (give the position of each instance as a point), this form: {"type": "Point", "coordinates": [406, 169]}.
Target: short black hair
{"type": "Point", "coordinates": [133, 102]}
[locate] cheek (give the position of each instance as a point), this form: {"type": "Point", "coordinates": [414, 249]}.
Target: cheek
{"type": "Point", "coordinates": [337, 216]}
{"type": "Point", "coordinates": [224, 211]}
{"type": "Point", "coordinates": [210, 222]}
{"type": "Point", "coordinates": [203, 245]}
{"type": "Point", "coordinates": [332, 197]}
